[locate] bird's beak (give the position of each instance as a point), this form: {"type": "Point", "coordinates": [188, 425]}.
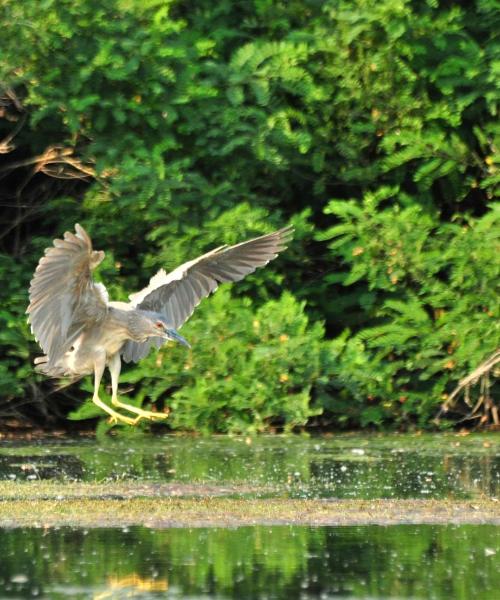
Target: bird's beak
{"type": "Point", "coordinates": [171, 334]}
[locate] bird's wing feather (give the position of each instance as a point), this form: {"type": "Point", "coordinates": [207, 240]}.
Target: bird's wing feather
{"type": "Point", "coordinates": [63, 297]}
{"type": "Point", "coordinates": [135, 351]}
{"type": "Point", "coordinates": [177, 294]}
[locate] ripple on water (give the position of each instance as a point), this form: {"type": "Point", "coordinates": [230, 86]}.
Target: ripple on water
{"type": "Point", "coordinates": [344, 466]}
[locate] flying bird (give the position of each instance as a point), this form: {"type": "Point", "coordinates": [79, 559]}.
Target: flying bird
{"type": "Point", "coordinates": [81, 332]}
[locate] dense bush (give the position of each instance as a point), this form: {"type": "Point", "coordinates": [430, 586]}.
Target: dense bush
{"type": "Point", "coordinates": [431, 298]}
{"type": "Point", "coordinates": [167, 128]}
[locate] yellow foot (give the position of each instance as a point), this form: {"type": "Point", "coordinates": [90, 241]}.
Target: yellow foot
{"type": "Point", "coordinates": [114, 417]}
{"type": "Point", "coordinates": [118, 418]}
{"type": "Point", "coordinates": [141, 414]}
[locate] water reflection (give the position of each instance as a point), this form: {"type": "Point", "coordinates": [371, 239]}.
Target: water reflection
{"type": "Point", "coordinates": [252, 562]}
{"type": "Point", "coordinates": [341, 467]}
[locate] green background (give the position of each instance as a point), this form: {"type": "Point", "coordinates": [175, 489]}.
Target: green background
{"type": "Point", "coordinates": [169, 127]}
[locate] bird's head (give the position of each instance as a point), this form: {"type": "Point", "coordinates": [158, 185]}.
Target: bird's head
{"type": "Point", "coordinates": [155, 325]}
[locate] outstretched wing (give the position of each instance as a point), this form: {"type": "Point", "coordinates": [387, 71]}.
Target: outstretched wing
{"type": "Point", "coordinates": [177, 294]}
{"type": "Point", "coordinates": [63, 297]}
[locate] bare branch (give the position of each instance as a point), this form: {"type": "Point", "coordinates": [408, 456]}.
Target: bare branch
{"type": "Point", "coordinates": [481, 375]}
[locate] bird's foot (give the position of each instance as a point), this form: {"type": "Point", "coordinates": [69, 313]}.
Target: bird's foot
{"type": "Point", "coordinates": [114, 417]}
{"type": "Point", "coordinates": [141, 414]}
{"type": "Point", "coordinates": [118, 418]}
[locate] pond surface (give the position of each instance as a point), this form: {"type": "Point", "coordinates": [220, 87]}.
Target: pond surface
{"type": "Point", "coordinates": [397, 466]}
{"type": "Point", "coordinates": [403, 561]}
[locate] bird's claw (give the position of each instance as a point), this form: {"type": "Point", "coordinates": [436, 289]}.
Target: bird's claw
{"type": "Point", "coordinates": [151, 416]}
{"type": "Point", "coordinates": [116, 417]}
{"type": "Point", "coordinates": [141, 413]}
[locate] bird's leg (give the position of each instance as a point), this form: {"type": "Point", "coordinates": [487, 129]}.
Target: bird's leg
{"type": "Point", "coordinates": [114, 366]}
{"type": "Point", "coordinates": [114, 416]}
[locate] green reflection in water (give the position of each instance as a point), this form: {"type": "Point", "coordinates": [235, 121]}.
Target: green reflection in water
{"type": "Point", "coordinates": [391, 466]}
{"type": "Point", "coordinates": [253, 562]}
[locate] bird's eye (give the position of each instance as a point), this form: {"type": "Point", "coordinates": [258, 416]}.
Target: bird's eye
{"type": "Point", "coordinates": [159, 324]}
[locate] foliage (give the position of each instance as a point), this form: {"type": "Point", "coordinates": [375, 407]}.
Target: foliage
{"type": "Point", "coordinates": [431, 300]}
{"type": "Point", "coordinates": [14, 340]}
{"type": "Point", "coordinates": [167, 128]}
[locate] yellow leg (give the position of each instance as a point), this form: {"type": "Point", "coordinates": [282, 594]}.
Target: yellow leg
{"type": "Point", "coordinates": [114, 365]}
{"type": "Point", "coordinates": [142, 414]}
{"type": "Point", "coordinates": [114, 416]}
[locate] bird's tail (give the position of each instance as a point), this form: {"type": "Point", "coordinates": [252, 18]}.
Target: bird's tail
{"type": "Point", "coordinates": [43, 366]}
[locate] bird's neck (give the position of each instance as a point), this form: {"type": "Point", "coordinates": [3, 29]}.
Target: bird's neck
{"type": "Point", "coordinates": [121, 319]}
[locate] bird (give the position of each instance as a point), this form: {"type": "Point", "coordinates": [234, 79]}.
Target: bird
{"type": "Point", "coordinates": [82, 332]}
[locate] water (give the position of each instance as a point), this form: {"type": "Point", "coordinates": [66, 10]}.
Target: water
{"type": "Point", "coordinates": [404, 561]}
{"type": "Point", "coordinates": [427, 466]}
{"type": "Point", "coordinates": [253, 562]}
